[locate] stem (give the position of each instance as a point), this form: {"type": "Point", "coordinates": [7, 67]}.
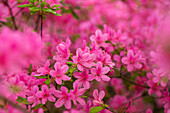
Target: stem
{"type": "Point", "coordinates": [11, 13]}
{"type": "Point", "coordinates": [110, 110]}
{"type": "Point", "coordinates": [3, 23]}
{"type": "Point", "coordinates": [13, 104]}
{"type": "Point", "coordinates": [132, 82]}
{"type": "Point", "coordinates": [41, 26]}
{"type": "Point", "coordinates": [127, 107]}
{"type": "Point", "coordinates": [19, 12]}
{"type": "Point", "coordinates": [37, 23]}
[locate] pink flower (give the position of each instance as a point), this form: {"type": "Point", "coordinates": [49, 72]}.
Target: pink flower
{"type": "Point", "coordinates": [98, 97]}
{"type": "Point", "coordinates": [149, 111]}
{"type": "Point", "coordinates": [100, 71]}
{"type": "Point", "coordinates": [45, 70]}
{"type": "Point", "coordinates": [105, 58]}
{"type": "Point", "coordinates": [154, 88]}
{"type": "Point", "coordinates": [63, 53]}
{"type": "Point", "coordinates": [118, 60]}
{"type": "Point", "coordinates": [64, 98]}
{"type": "Point", "coordinates": [87, 107]}
{"type": "Point", "coordinates": [99, 38]}
{"type": "Point", "coordinates": [83, 78]}
{"type": "Point", "coordinates": [160, 76]}
{"type": "Point", "coordinates": [132, 61]}
{"type": "Point", "coordinates": [118, 101]}
{"type": "Point", "coordinates": [83, 59]}
{"type": "Point", "coordinates": [59, 73]}
{"type": "Point", "coordinates": [33, 96]}
{"type": "Point", "coordinates": [46, 94]}
{"type": "Point", "coordinates": [77, 93]}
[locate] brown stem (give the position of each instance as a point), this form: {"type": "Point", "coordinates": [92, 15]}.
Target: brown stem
{"type": "Point", "coordinates": [11, 13]}
{"type": "Point", "coordinates": [2, 22]}
{"type": "Point", "coordinates": [41, 26]}
{"type": "Point", "coordinates": [37, 23]}
{"type": "Point", "coordinates": [127, 107]}
{"type": "Point", "coordinates": [14, 104]}
{"type": "Point", "coordinates": [19, 12]}
{"type": "Point", "coordinates": [132, 82]}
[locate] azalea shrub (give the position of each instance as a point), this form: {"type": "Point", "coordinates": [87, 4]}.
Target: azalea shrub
{"type": "Point", "coordinates": [84, 56]}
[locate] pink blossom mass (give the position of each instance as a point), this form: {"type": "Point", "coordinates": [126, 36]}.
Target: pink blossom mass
{"type": "Point", "coordinates": [85, 56]}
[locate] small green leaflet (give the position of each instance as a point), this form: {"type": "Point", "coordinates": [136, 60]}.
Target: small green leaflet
{"type": "Point", "coordinates": [38, 106]}
{"type": "Point", "coordinates": [96, 109]}
{"type": "Point", "coordinates": [22, 100]}
{"type": "Point", "coordinates": [42, 76]}
{"type": "Point", "coordinates": [50, 11]}
{"type": "Point", "coordinates": [48, 81]}
{"type": "Point", "coordinates": [25, 5]}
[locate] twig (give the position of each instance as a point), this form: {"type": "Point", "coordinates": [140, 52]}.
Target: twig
{"type": "Point", "coordinates": [127, 107]}
{"type": "Point", "coordinates": [132, 82]}
{"type": "Point", "coordinates": [110, 110]}
{"type": "Point", "coordinates": [41, 26]}
{"type": "Point", "coordinates": [19, 12]}
{"type": "Point", "coordinates": [11, 13]}
{"type": "Point", "coordinates": [13, 104]}
{"type": "Point", "coordinates": [2, 22]}
{"type": "Point", "coordinates": [37, 23]}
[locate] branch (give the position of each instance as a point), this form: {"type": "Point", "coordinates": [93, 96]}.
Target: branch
{"type": "Point", "coordinates": [41, 26]}
{"type": "Point", "coordinates": [11, 13]}
{"type": "Point", "coordinates": [14, 104]}
{"type": "Point", "coordinates": [37, 23]}
{"type": "Point", "coordinates": [3, 23]}
{"type": "Point", "coordinates": [127, 107]}
{"type": "Point", "coordinates": [132, 82]}
{"type": "Point", "coordinates": [19, 12]}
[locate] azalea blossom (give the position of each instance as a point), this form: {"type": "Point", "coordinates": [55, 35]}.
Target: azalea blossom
{"type": "Point", "coordinates": [133, 61]}
{"type": "Point", "coordinates": [45, 70]}
{"type": "Point", "coordinates": [59, 73]}
{"type": "Point", "coordinates": [98, 96]}
{"type": "Point", "coordinates": [77, 92]}
{"type": "Point", "coordinates": [46, 94]}
{"type": "Point", "coordinates": [64, 98]}
{"type": "Point", "coordinates": [100, 71]}
{"type": "Point", "coordinates": [83, 78]}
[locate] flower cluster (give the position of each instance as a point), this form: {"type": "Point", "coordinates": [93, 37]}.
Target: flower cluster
{"type": "Point", "coordinates": [106, 56]}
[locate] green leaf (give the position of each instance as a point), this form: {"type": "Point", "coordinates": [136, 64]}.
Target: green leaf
{"type": "Point", "coordinates": [56, 6]}
{"type": "Point", "coordinates": [32, 1]}
{"type": "Point", "coordinates": [44, 17]}
{"type": "Point", "coordinates": [33, 10]}
{"type": "Point", "coordinates": [70, 63]}
{"type": "Point", "coordinates": [72, 70]}
{"type": "Point", "coordinates": [42, 76]}
{"type": "Point", "coordinates": [74, 14]}
{"type": "Point", "coordinates": [48, 81]}
{"type": "Point", "coordinates": [42, 4]}
{"type": "Point", "coordinates": [51, 11]}
{"type": "Point", "coordinates": [84, 96]}
{"type": "Point", "coordinates": [22, 100]}
{"type": "Point", "coordinates": [38, 106]}
{"type": "Point", "coordinates": [48, 5]}
{"type": "Point", "coordinates": [96, 109]}
{"type": "Point", "coordinates": [25, 5]}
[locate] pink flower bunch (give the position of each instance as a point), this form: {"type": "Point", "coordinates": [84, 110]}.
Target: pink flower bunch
{"type": "Point", "coordinates": [18, 49]}
{"type": "Point", "coordinates": [116, 58]}
{"type": "Point", "coordinates": [133, 61]}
